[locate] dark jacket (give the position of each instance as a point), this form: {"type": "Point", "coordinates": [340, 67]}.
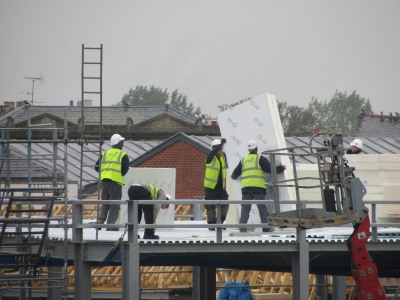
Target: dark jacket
{"type": "Point", "coordinates": [265, 166]}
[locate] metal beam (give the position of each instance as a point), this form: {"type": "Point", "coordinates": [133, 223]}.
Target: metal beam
{"type": "Point", "coordinates": [198, 285]}
{"type": "Point", "coordinates": [82, 269]}
{"type": "Point", "coordinates": [204, 285]}
{"type": "Point", "coordinates": [54, 285]}
{"type": "Point", "coordinates": [301, 267]}
{"type": "Point", "coordinates": [131, 257]}
{"type": "Point", "coordinates": [322, 292]}
{"type": "Point", "coordinates": [339, 287]}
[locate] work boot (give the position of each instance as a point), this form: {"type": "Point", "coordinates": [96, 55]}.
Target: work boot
{"type": "Point", "coordinates": [243, 229]}
{"type": "Point", "coordinates": [268, 229]}
{"type": "Point", "coordinates": [150, 236]}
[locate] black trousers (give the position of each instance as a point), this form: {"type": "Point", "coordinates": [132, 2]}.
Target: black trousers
{"type": "Point", "coordinates": [137, 192]}
{"type": "Point", "coordinates": [110, 190]}
{"type": "Point", "coordinates": [216, 194]}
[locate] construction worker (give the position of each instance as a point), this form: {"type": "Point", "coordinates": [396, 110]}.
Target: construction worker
{"type": "Point", "coordinates": [355, 147]}
{"type": "Point", "coordinates": [254, 168]}
{"type": "Point", "coordinates": [148, 192]}
{"type": "Point", "coordinates": [215, 181]}
{"type": "Point", "coordinates": [114, 165]}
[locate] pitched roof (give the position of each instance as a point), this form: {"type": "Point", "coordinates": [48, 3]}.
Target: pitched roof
{"type": "Point", "coordinates": [111, 115]}
{"type": "Point", "coordinates": [371, 145]}
{"type": "Point", "coordinates": [17, 165]}
{"type": "Point", "coordinates": [374, 125]}
{"type": "Point", "coordinates": [139, 151]}
{"type": "Point", "coordinates": [191, 140]}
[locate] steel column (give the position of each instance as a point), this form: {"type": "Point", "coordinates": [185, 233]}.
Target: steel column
{"type": "Point", "coordinates": [204, 285]}
{"type": "Point", "coordinates": [82, 275]}
{"type": "Point", "coordinates": [197, 285]}
{"type": "Point", "coordinates": [197, 209]}
{"type": "Point", "coordinates": [322, 293]}
{"type": "Point", "coordinates": [82, 270]}
{"type": "Point", "coordinates": [54, 287]}
{"type": "Point", "coordinates": [339, 287]}
{"type": "Point", "coordinates": [131, 257]}
{"type": "Point", "coordinates": [300, 267]}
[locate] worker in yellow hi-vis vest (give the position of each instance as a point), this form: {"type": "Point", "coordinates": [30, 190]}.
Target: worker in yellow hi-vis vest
{"type": "Point", "coordinates": [215, 181]}
{"type": "Point", "coordinates": [114, 164]}
{"type": "Point", "coordinates": [254, 169]}
{"type": "Point", "coordinates": [147, 191]}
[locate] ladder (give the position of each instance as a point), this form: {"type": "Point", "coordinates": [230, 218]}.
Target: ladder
{"type": "Point", "coordinates": [91, 140]}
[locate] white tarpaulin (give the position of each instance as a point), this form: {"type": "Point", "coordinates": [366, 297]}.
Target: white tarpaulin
{"type": "Point", "coordinates": [256, 119]}
{"type": "Point", "coordinates": [164, 178]}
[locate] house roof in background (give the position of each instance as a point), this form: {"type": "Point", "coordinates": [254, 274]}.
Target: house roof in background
{"type": "Point", "coordinates": [372, 145]}
{"type": "Point", "coordinates": [374, 125]}
{"type": "Point", "coordinates": [111, 115]}
{"type": "Point", "coordinates": [17, 167]}
{"type": "Point", "coordinates": [195, 142]}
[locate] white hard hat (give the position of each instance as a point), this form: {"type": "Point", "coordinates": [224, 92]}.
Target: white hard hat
{"type": "Point", "coordinates": [252, 144]}
{"type": "Point", "coordinates": [215, 142]}
{"type": "Point", "coordinates": [168, 196]}
{"type": "Point", "coordinates": [115, 139]}
{"type": "Point", "coordinates": [358, 143]}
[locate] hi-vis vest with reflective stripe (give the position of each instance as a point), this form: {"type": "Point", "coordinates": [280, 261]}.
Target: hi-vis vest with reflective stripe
{"type": "Point", "coordinates": [111, 161]}
{"type": "Point", "coordinates": [252, 174]}
{"type": "Point", "coordinates": [212, 172]}
{"type": "Point", "coordinates": [153, 191]}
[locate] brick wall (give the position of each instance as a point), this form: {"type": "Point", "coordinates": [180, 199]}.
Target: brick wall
{"type": "Point", "coordinates": [189, 164]}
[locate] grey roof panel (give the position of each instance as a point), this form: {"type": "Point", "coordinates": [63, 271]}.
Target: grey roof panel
{"type": "Point", "coordinates": [111, 115]}
{"type": "Point", "coordinates": [374, 125]}
{"type": "Point", "coordinates": [136, 149]}
{"type": "Point", "coordinates": [381, 146]}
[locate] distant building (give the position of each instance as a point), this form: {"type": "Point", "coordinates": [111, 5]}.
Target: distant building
{"type": "Point", "coordinates": [133, 122]}
{"type": "Point", "coordinates": [379, 125]}
{"type": "Point", "coordinates": [156, 136]}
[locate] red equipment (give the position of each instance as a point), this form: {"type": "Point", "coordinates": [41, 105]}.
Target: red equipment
{"type": "Point", "coordinates": [363, 269]}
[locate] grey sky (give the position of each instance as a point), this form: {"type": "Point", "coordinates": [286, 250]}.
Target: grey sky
{"type": "Point", "coordinates": [215, 52]}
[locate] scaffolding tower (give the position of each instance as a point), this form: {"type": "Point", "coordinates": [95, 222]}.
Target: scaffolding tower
{"type": "Point", "coordinates": [26, 206]}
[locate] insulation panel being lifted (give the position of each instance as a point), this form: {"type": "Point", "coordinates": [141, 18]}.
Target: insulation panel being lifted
{"type": "Point", "coordinates": [258, 119]}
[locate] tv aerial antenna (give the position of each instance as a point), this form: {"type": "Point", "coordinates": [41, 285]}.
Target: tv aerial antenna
{"type": "Point", "coordinates": [34, 79]}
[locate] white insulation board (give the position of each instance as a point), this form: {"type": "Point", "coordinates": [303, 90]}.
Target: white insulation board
{"type": "Point", "coordinates": [256, 119]}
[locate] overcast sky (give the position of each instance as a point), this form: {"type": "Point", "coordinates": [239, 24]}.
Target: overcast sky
{"type": "Point", "coordinates": [215, 52]}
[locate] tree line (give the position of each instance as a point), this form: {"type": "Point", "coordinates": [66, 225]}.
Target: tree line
{"type": "Point", "coordinates": [339, 114]}
{"type": "Point", "coordinates": [146, 96]}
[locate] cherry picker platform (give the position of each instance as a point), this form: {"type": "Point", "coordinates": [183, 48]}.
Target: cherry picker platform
{"type": "Point", "coordinates": [342, 203]}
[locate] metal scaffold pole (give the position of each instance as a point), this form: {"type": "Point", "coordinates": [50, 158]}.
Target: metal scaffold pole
{"type": "Point", "coordinates": [66, 227]}
{"type": "Point", "coordinates": [27, 202]}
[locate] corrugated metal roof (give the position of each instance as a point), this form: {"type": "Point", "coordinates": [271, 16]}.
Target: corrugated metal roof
{"type": "Point", "coordinates": [17, 165]}
{"type": "Point", "coordinates": [136, 149]}
{"type": "Point", "coordinates": [372, 145]}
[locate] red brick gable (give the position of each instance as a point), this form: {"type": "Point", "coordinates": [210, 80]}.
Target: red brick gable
{"type": "Point", "coordinates": [189, 163]}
